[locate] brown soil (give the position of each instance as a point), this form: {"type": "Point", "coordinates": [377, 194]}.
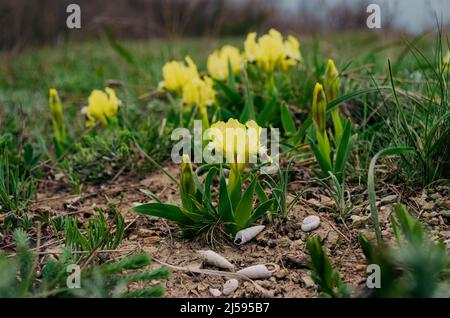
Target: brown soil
{"type": "Point", "coordinates": [282, 243]}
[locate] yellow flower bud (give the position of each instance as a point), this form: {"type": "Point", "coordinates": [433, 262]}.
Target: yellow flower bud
{"type": "Point", "coordinates": [56, 112]}
{"type": "Point", "coordinates": [331, 81]}
{"type": "Point", "coordinates": [187, 178]}
{"type": "Point", "coordinates": [319, 108]}
{"type": "Point", "coordinates": [332, 84]}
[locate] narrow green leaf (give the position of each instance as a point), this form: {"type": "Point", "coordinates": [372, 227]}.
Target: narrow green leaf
{"type": "Point", "coordinates": [231, 80]}
{"type": "Point", "coordinates": [371, 184]}
{"type": "Point", "coordinates": [230, 93]}
{"type": "Point", "coordinates": [343, 151]}
{"type": "Point", "coordinates": [248, 113]}
{"type": "Point", "coordinates": [225, 208]}
{"type": "Point", "coordinates": [208, 180]}
{"type": "Point", "coordinates": [260, 210]}
{"type": "Point", "coordinates": [321, 160]}
{"type": "Point", "coordinates": [301, 133]}
{"type": "Point", "coordinates": [267, 112]}
{"type": "Point", "coordinates": [166, 211]}
{"type": "Point", "coordinates": [244, 208]}
{"type": "Point", "coordinates": [234, 187]}
{"type": "Point", "coordinates": [262, 196]}
{"type": "Point", "coordinates": [120, 49]}
{"type": "Point", "coordinates": [287, 119]}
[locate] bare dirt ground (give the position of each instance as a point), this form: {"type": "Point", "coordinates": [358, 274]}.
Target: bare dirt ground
{"type": "Point", "coordinates": [282, 243]}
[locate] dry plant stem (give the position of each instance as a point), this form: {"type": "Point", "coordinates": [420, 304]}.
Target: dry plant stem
{"type": "Point", "coordinates": [351, 71]}
{"type": "Point", "coordinates": [337, 231]}
{"type": "Point", "coordinates": [90, 257]}
{"type": "Point", "coordinates": [118, 174]}
{"type": "Point", "coordinates": [38, 236]}
{"type": "Point", "coordinates": [85, 252]}
{"type": "Point", "coordinates": [82, 197]}
{"type": "Point", "coordinates": [38, 243]}
{"type": "Point", "coordinates": [357, 76]}
{"type": "Point", "coordinates": [131, 223]}
{"type": "Point", "coordinates": [264, 291]}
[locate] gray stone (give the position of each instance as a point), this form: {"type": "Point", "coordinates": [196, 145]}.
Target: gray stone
{"type": "Point", "coordinates": [389, 199]}
{"type": "Point", "coordinates": [310, 223]}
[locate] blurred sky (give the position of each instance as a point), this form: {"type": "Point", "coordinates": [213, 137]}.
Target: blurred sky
{"type": "Point", "coordinates": [410, 15]}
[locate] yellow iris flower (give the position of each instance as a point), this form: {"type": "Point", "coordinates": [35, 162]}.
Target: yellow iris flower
{"type": "Point", "coordinates": [199, 92]}
{"type": "Point", "coordinates": [102, 105]}
{"type": "Point", "coordinates": [251, 47]}
{"type": "Point", "coordinates": [236, 141]}
{"type": "Point", "coordinates": [177, 74]}
{"type": "Point", "coordinates": [271, 51]}
{"type": "Point", "coordinates": [292, 48]}
{"type": "Point", "coordinates": [217, 63]}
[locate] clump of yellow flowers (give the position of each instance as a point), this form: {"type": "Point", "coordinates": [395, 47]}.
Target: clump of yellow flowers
{"type": "Point", "coordinates": [199, 92]}
{"type": "Point", "coordinates": [102, 106]}
{"type": "Point", "coordinates": [222, 60]}
{"type": "Point", "coordinates": [194, 90]}
{"type": "Point", "coordinates": [271, 50]}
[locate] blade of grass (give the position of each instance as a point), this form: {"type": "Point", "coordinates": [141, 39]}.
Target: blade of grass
{"type": "Point", "coordinates": [371, 184]}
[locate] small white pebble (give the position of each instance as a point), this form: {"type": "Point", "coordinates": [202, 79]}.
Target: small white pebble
{"type": "Point", "coordinates": [389, 199]}
{"type": "Point", "coordinates": [215, 292]}
{"type": "Point", "coordinates": [310, 223]}
{"type": "Point", "coordinates": [230, 286]}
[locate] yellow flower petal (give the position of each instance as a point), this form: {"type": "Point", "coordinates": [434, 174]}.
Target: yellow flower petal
{"type": "Point", "coordinates": [101, 106]}
{"type": "Point", "coordinates": [251, 47]}
{"type": "Point", "coordinates": [236, 141]}
{"type": "Point", "coordinates": [270, 51]}
{"type": "Point", "coordinates": [217, 63]}
{"type": "Point", "coordinates": [199, 92]}
{"type": "Point", "coordinates": [176, 74]}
